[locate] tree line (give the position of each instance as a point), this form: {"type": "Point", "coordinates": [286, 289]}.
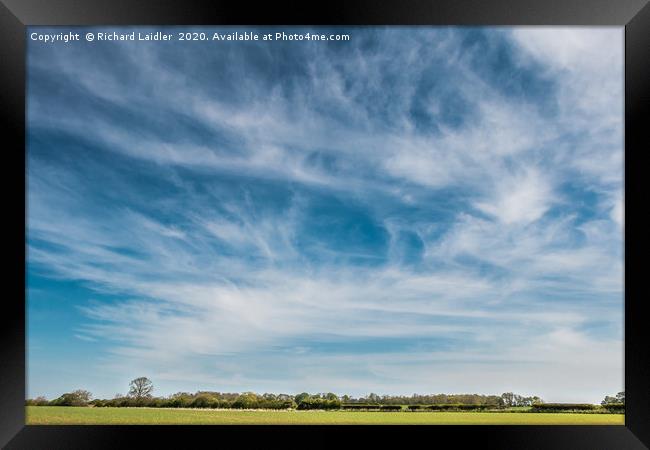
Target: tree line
{"type": "Point", "coordinates": [140, 394]}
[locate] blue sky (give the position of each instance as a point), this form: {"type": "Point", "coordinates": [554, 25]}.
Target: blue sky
{"type": "Point", "coordinates": [418, 209]}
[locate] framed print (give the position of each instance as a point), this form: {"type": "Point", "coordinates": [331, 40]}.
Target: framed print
{"type": "Point", "coordinates": [305, 222]}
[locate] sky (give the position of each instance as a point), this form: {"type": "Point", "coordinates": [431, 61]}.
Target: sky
{"type": "Point", "coordinates": [415, 210]}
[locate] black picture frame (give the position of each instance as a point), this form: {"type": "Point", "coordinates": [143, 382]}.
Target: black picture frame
{"type": "Point", "coordinates": [16, 15]}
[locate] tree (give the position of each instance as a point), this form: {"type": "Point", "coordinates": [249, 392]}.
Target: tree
{"type": "Point", "coordinates": [620, 397]}
{"type": "Point", "coordinates": [203, 400]}
{"type": "Point", "coordinates": [140, 389]}
{"type": "Point", "coordinates": [40, 401]}
{"type": "Point", "coordinates": [508, 398]}
{"type": "Point", "coordinates": [609, 400]}
{"type": "Point", "coordinates": [331, 396]}
{"type": "Point", "coordinates": [246, 400]}
{"type": "Point", "coordinates": [301, 397]}
{"type": "Point", "coordinates": [82, 395]}
{"type": "Point", "coordinates": [74, 398]}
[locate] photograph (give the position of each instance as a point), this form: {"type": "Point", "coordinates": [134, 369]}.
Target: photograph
{"type": "Point", "coordinates": [325, 225]}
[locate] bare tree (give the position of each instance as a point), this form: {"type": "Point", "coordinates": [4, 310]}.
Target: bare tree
{"type": "Point", "coordinates": [82, 395]}
{"type": "Point", "coordinates": [140, 388]}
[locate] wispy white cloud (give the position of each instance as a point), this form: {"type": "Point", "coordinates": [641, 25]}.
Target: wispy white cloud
{"type": "Point", "coordinates": [520, 198]}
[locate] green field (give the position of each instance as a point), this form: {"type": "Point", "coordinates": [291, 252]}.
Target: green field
{"type": "Point", "coordinates": [68, 415]}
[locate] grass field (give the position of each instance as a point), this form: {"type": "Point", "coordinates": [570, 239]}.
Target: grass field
{"type": "Point", "coordinates": [57, 415]}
